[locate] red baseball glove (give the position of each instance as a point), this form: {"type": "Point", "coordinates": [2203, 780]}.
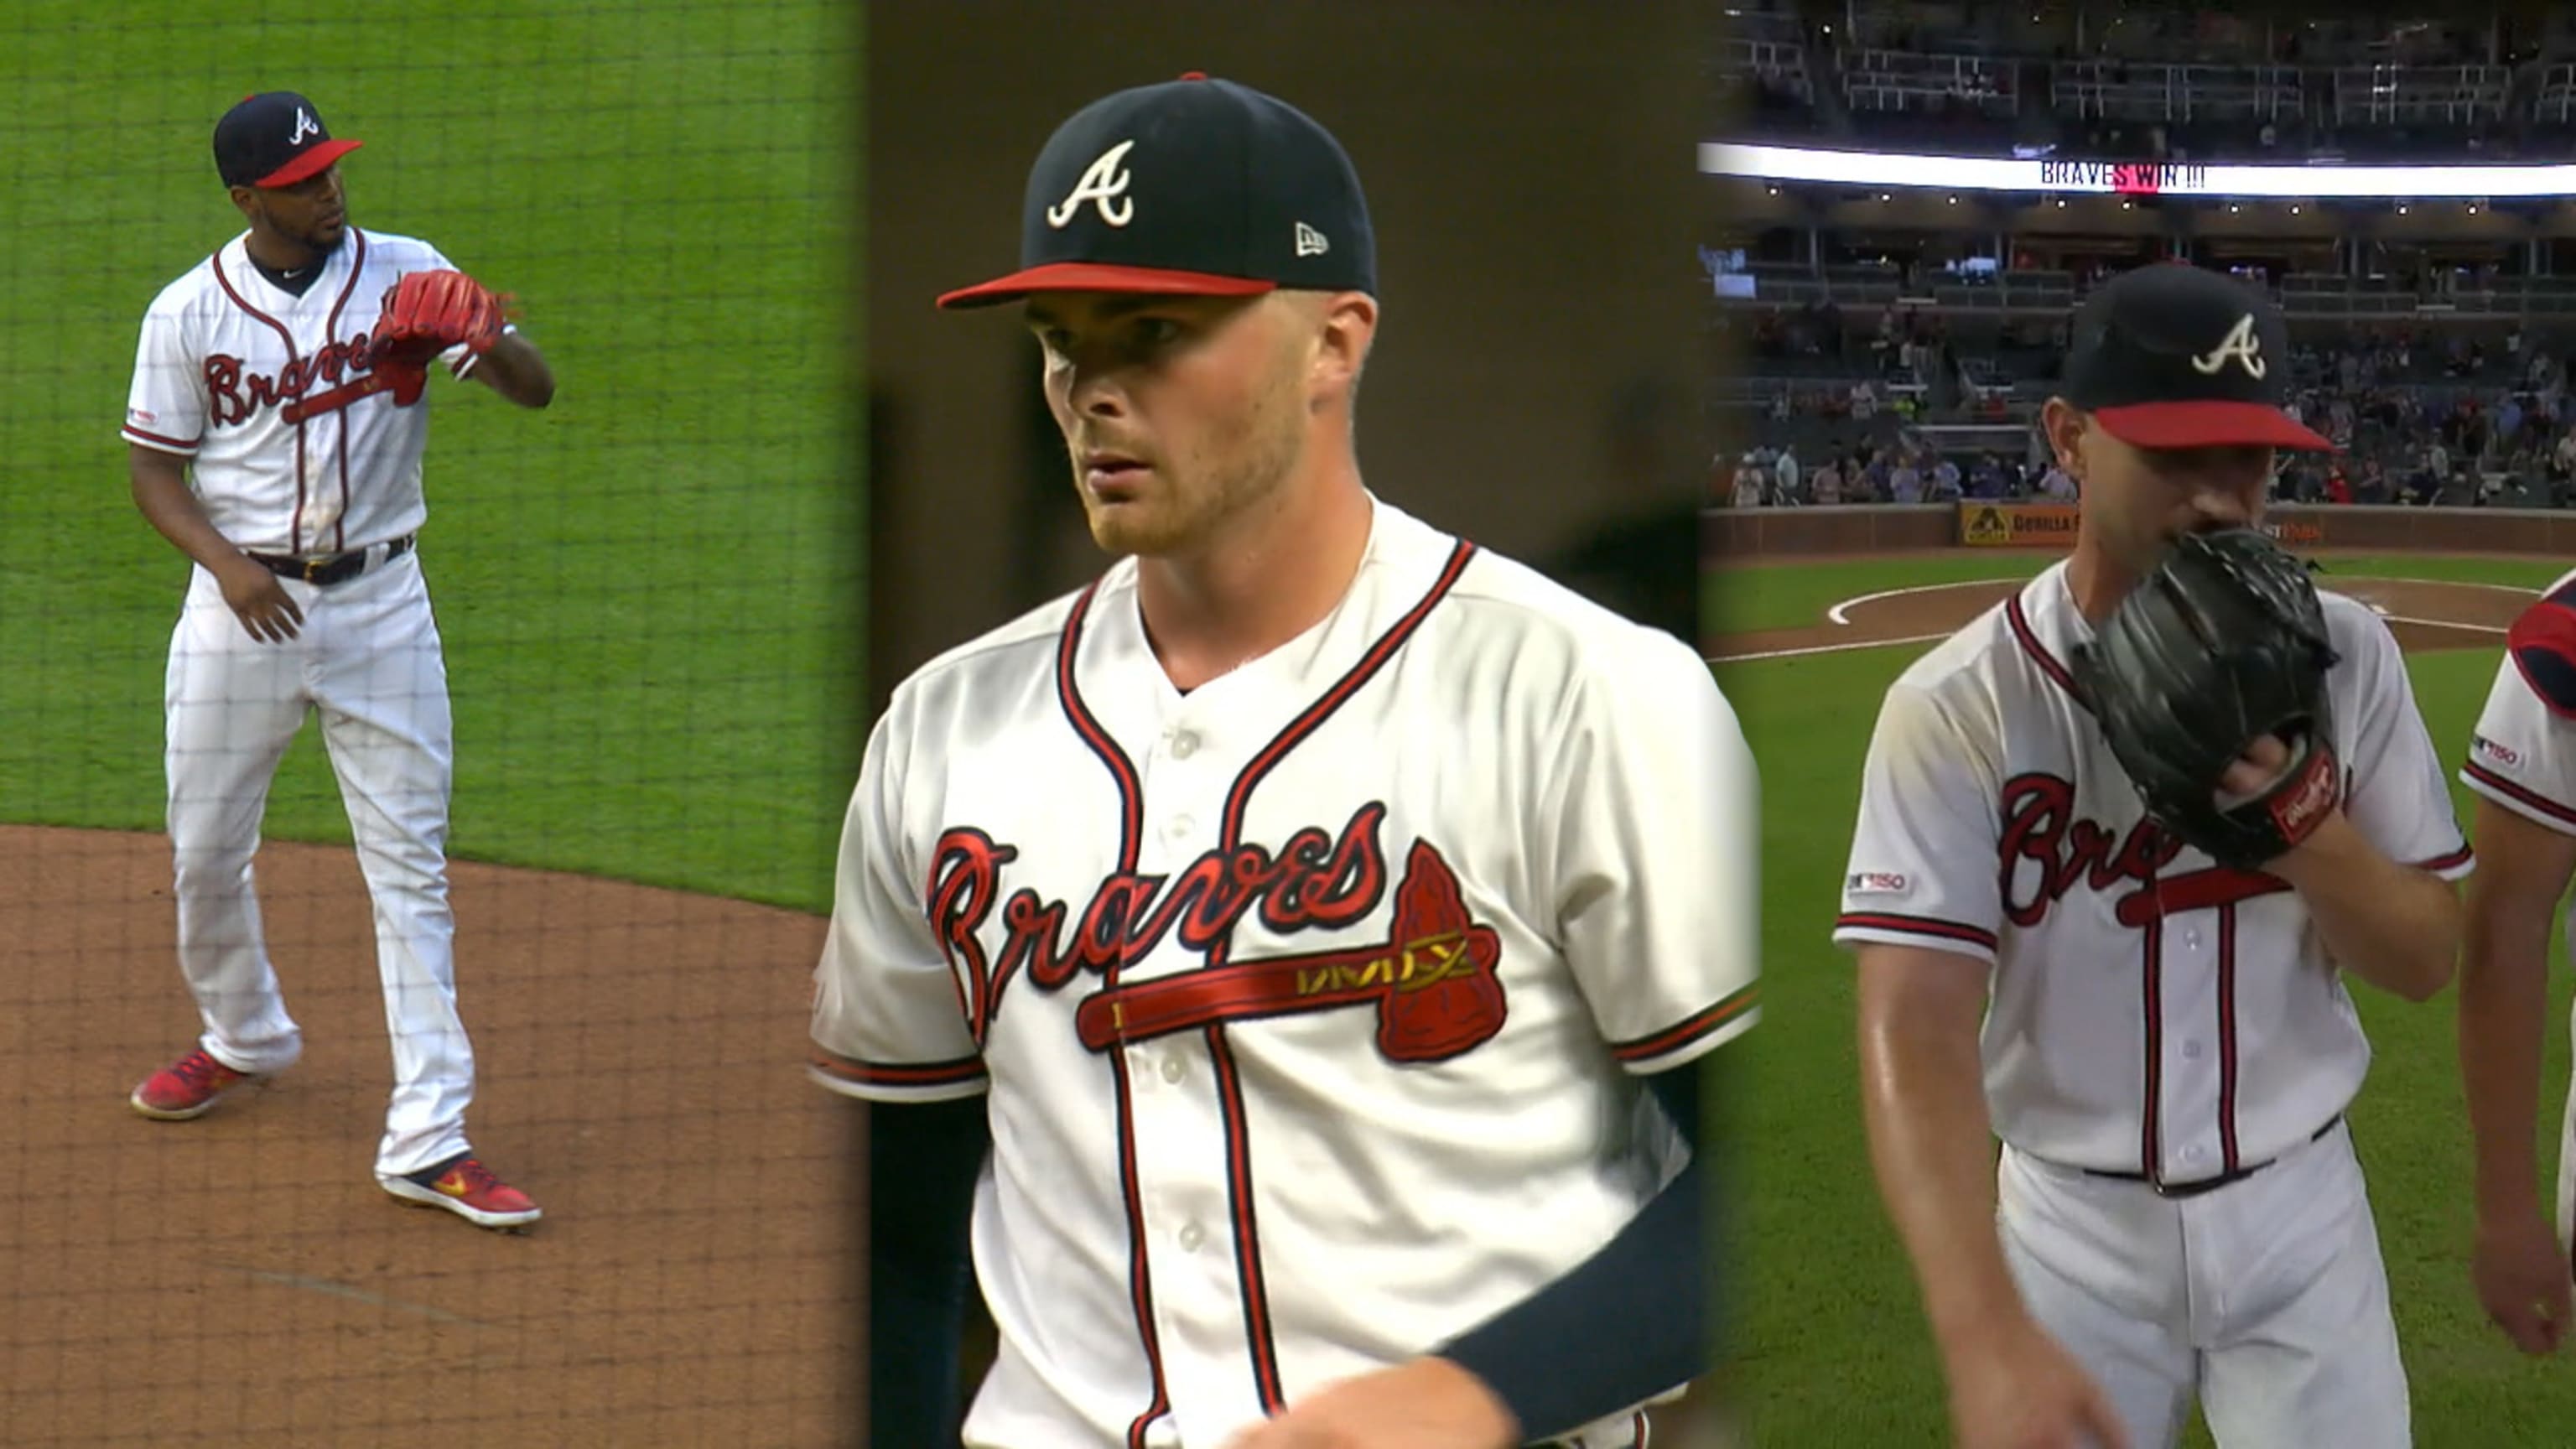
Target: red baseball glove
{"type": "Point", "coordinates": [426, 313]}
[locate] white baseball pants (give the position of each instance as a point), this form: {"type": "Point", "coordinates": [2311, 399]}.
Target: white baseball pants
{"type": "Point", "coordinates": [368, 662]}
{"type": "Point", "coordinates": [2264, 1300]}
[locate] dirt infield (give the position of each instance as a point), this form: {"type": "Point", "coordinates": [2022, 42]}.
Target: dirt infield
{"type": "Point", "coordinates": [241, 1279]}
{"type": "Point", "coordinates": [2424, 614]}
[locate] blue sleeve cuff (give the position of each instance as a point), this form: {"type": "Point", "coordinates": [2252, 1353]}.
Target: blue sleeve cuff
{"type": "Point", "coordinates": [923, 1159]}
{"type": "Point", "coordinates": [1630, 1323]}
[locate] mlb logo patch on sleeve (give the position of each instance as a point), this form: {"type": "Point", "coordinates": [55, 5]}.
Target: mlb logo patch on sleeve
{"type": "Point", "coordinates": [2498, 754]}
{"type": "Point", "coordinates": [1875, 883]}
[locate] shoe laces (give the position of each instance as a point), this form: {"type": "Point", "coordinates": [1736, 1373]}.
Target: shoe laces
{"type": "Point", "coordinates": [201, 1071]}
{"type": "Point", "coordinates": [475, 1176]}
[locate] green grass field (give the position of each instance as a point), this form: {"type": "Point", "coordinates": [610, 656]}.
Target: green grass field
{"type": "Point", "coordinates": [1832, 1343]}
{"type": "Point", "coordinates": [650, 592]}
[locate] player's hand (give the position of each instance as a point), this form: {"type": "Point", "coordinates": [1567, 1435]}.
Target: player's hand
{"type": "Point", "coordinates": [2256, 770]}
{"type": "Point", "coordinates": [260, 601]}
{"type": "Point", "coordinates": [2523, 1280]}
{"type": "Point", "coordinates": [1425, 1403]}
{"type": "Point", "coordinates": [2017, 1389]}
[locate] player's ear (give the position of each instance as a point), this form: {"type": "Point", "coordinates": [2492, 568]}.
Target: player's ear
{"type": "Point", "coordinates": [2063, 425]}
{"type": "Point", "coordinates": [1345, 326]}
{"type": "Point", "coordinates": [245, 201]}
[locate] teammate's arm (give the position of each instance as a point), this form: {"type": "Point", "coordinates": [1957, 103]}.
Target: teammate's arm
{"type": "Point", "coordinates": [2524, 869]}
{"type": "Point", "coordinates": [160, 484]}
{"type": "Point", "coordinates": [514, 368]}
{"type": "Point", "coordinates": [1931, 1143]}
{"type": "Point", "coordinates": [923, 1160]}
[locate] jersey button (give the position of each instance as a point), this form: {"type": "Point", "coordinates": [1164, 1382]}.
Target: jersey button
{"type": "Point", "coordinates": [1181, 827]}
{"type": "Point", "coordinates": [1172, 1069]}
{"type": "Point", "coordinates": [1191, 1237]}
{"type": "Point", "coordinates": [1184, 745]}
{"type": "Point", "coordinates": [2191, 1049]}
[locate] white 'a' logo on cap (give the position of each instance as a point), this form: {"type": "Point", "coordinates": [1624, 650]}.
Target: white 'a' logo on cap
{"type": "Point", "coordinates": [1310, 242]}
{"type": "Point", "coordinates": [1103, 184]}
{"type": "Point", "coordinates": [305, 126]}
{"type": "Point", "coordinates": [2239, 345]}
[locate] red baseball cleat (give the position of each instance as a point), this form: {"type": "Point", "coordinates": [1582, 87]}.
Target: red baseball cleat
{"type": "Point", "coordinates": [186, 1088]}
{"type": "Point", "coordinates": [465, 1187]}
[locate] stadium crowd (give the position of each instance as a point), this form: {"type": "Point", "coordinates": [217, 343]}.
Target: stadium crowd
{"type": "Point", "coordinates": [2417, 417]}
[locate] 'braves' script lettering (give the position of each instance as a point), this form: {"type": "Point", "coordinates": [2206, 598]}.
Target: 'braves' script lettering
{"type": "Point", "coordinates": [2041, 829]}
{"type": "Point", "coordinates": [234, 395]}
{"type": "Point", "coordinates": [1315, 881]}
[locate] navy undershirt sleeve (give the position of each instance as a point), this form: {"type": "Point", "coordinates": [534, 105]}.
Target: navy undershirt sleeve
{"type": "Point", "coordinates": [1628, 1323]}
{"type": "Point", "coordinates": [923, 1159]}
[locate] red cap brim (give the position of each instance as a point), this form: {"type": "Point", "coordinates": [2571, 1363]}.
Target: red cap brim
{"type": "Point", "coordinates": [2209, 424]}
{"type": "Point", "coordinates": [309, 164]}
{"type": "Point", "coordinates": [1094, 277]}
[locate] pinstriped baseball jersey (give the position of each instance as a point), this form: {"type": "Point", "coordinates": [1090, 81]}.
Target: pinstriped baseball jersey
{"type": "Point", "coordinates": [2152, 1012]}
{"type": "Point", "coordinates": [263, 391]}
{"type": "Point", "coordinates": [2522, 756]}
{"type": "Point", "coordinates": [1310, 1002]}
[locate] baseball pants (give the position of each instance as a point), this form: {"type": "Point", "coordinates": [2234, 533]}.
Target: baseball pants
{"type": "Point", "coordinates": [2265, 1300]}
{"type": "Point", "coordinates": [368, 662]}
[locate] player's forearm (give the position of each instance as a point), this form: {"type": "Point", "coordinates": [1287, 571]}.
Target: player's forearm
{"type": "Point", "coordinates": [161, 493]}
{"type": "Point", "coordinates": [1626, 1324]}
{"type": "Point", "coordinates": [2394, 927]}
{"type": "Point", "coordinates": [2504, 998]}
{"type": "Point", "coordinates": [923, 1159]}
{"type": "Point", "coordinates": [1932, 1146]}
{"type": "Point", "coordinates": [515, 369]}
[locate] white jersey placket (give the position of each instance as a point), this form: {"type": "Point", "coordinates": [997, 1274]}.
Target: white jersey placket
{"type": "Point", "coordinates": [1175, 1104]}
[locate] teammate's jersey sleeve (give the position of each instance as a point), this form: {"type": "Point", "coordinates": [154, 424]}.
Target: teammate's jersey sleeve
{"type": "Point", "coordinates": [1655, 849]}
{"type": "Point", "coordinates": [2400, 800]}
{"type": "Point", "coordinates": [2522, 756]}
{"type": "Point", "coordinates": [1922, 865]}
{"type": "Point", "coordinates": [888, 1021]}
{"type": "Point", "coordinates": [165, 408]}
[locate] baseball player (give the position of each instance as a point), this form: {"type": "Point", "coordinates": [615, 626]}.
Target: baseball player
{"type": "Point", "coordinates": [2162, 1039]}
{"type": "Point", "coordinates": [2522, 768]}
{"type": "Point", "coordinates": [1318, 915]}
{"type": "Point", "coordinates": [276, 423]}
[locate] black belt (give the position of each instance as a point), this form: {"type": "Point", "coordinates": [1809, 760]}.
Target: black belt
{"type": "Point", "coordinates": [329, 568]}
{"type": "Point", "coordinates": [2206, 1184]}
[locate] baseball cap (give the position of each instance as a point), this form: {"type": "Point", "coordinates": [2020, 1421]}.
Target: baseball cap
{"type": "Point", "coordinates": [2176, 356]}
{"type": "Point", "coordinates": [274, 138]}
{"type": "Point", "coordinates": [1192, 187]}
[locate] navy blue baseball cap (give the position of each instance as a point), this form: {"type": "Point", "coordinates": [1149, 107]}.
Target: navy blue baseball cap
{"type": "Point", "coordinates": [1193, 187]}
{"type": "Point", "coordinates": [2176, 356]}
{"type": "Point", "coordinates": [274, 138]}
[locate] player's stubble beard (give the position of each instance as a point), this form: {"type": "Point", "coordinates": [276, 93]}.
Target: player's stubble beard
{"type": "Point", "coordinates": [1239, 465]}
{"type": "Point", "coordinates": [317, 241]}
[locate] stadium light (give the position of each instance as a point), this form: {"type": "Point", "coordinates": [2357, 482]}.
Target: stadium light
{"type": "Point", "coordinates": [2143, 178]}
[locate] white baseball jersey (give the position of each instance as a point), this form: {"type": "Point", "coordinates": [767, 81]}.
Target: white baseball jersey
{"type": "Point", "coordinates": [2522, 756]}
{"type": "Point", "coordinates": [2153, 1012]}
{"type": "Point", "coordinates": [1307, 1002]}
{"type": "Point", "coordinates": [265, 392]}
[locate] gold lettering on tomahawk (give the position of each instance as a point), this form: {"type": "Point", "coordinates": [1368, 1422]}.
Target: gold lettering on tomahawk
{"type": "Point", "coordinates": [1417, 965]}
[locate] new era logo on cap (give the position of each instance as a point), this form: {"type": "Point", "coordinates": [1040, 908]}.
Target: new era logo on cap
{"type": "Point", "coordinates": [275, 138]}
{"type": "Point", "coordinates": [2176, 356]}
{"type": "Point", "coordinates": [1194, 187]}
